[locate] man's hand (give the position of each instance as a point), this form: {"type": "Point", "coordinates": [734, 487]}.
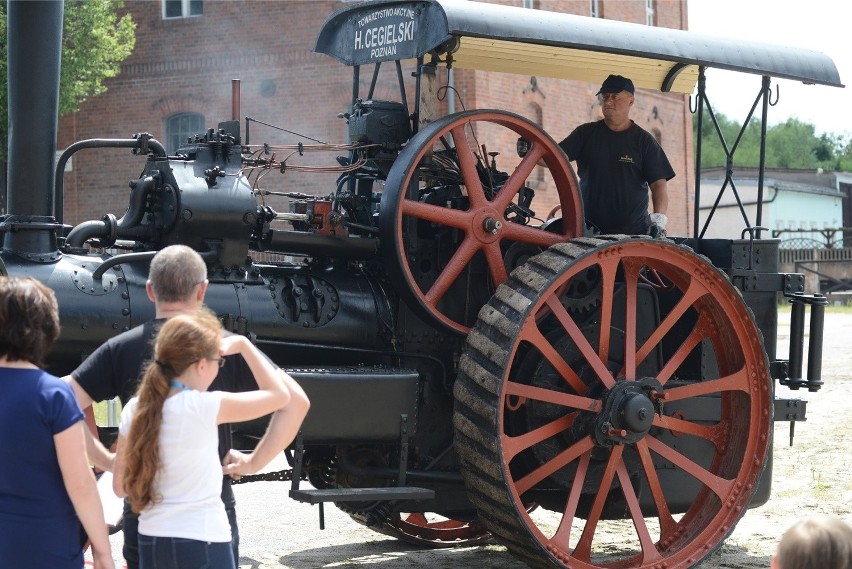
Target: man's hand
{"type": "Point", "coordinates": [658, 225]}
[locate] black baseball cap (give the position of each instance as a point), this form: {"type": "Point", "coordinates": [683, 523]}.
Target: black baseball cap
{"type": "Point", "coordinates": [616, 84]}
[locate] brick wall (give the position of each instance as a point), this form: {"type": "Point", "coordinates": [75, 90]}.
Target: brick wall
{"type": "Point", "coordinates": [186, 65]}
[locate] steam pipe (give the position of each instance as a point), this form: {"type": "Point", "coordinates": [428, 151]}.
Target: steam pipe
{"type": "Point", "coordinates": [108, 227]}
{"type": "Point", "coordinates": [235, 100]}
{"type": "Point", "coordinates": [141, 257]}
{"type": "Point", "coordinates": [142, 143]}
{"type": "Point", "coordinates": [82, 232]}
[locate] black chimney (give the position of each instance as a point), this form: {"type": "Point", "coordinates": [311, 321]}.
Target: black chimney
{"type": "Point", "coordinates": [34, 43]}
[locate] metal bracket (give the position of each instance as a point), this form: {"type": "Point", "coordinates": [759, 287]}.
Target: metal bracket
{"type": "Point", "coordinates": [751, 281]}
{"type": "Point", "coordinates": [791, 410]}
{"type": "Point", "coordinates": [403, 449]}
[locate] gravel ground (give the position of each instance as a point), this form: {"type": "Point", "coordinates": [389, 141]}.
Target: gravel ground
{"type": "Point", "coordinates": [813, 476]}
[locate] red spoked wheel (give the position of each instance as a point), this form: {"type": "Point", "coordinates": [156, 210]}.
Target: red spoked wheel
{"type": "Point", "coordinates": [451, 218]}
{"type": "Point", "coordinates": [433, 530]}
{"type": "Point", "coordinates": [641, 428]}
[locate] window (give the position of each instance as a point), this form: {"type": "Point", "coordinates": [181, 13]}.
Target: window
{"type": "Point", "coordinates": [529, 4]}
{"type": "Point", "coordinates": [182, 8]}
{"type": "Point", "coordinates": [594, 9]}
{"type": "Point", "coordinates": [650, 15]}
{"type": "Point", "coordinates": [180, 127]}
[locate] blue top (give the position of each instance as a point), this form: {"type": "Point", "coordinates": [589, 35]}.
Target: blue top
{"type": "Point", "coordinates": [39, 528]}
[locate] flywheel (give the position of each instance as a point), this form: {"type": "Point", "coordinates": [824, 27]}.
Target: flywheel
{"type": "Point", "coordinates": [454, 204]}
{"type": "Point", "coordinates": [640, 429]}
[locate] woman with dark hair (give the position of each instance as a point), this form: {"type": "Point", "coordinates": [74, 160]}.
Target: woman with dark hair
{"type": "Point", "coordinates": [167, 461]}
{"type": "Point", "coordinates": [48, 498]}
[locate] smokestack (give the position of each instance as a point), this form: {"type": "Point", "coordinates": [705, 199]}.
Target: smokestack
{"type": "Point", "coordinates": [34, 43]}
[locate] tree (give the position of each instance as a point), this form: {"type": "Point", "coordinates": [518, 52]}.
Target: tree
{"type": "Point", "coordinates": [791, 144]}
{"type": "Point", "coordinates": [95, 40]}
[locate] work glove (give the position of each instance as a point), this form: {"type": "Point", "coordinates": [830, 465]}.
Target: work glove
{"type": "Point", "coordinates": [658, 225]}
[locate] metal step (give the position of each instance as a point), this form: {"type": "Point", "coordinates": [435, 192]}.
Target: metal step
{"type": "Point", "coordinates": [314, 496]}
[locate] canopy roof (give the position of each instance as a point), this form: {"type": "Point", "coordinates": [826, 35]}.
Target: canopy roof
{"type": "Point", "coordinates": [511, 39]}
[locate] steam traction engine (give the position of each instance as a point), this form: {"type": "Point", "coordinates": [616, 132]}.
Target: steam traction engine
{"type": "Point", "coordinates": [475, 371]}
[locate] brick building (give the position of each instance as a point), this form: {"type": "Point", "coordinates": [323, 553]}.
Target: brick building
{"type": "Point", "coordinates": [178, 81]}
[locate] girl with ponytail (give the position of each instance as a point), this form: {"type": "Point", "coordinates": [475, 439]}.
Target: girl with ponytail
{"type": "Point", "coordinates": [167, 461]}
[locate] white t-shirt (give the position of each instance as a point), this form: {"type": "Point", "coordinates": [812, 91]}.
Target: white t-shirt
{"type": "Point", "coordinates": [189, 482]}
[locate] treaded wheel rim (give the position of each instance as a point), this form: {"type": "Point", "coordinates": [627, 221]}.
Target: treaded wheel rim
{"type": "Point", "coordinates": [483, 389]}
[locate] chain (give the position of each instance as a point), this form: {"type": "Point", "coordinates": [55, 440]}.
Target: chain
{"type": "Point", "coordinates": [278, 476]}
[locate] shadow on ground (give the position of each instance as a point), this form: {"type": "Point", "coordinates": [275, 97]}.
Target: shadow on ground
{"type": "Point", "coordinates": [392, 554]}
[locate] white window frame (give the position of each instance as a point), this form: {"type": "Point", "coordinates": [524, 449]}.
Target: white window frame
{"type": "Point", "coordinates": [650, 14]}
{"type": "Point", "coordinates": [171, 144]}
{"type": "Point", "coordinates": [185, 7]}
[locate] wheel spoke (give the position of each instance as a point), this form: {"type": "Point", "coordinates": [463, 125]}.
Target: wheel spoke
{"type": "Point", "coordinates": [437, 214]}
{"type": "Point", "coordinates": [531, 334]}
{"type": "Point", "coordinates": [550, 396]}
{"type": "Point", "coordinates": [467, 166]}
{"type": "Point", "coordinates": [516, 181]}
{"type": "Point", "coordinates": [716, 484]}
{"type": "Point", "coordinates": [712, 433]}
{"type": "Point", "coordinates": [532, 235]}
{"type": "Point", "coordinates": [451, 272]}
{"type": "Point", "coordinates": [583, 551]}
{"type": "Point", "coordinates": [580, 341]}
{"type": "Point", "coordinates": [631, 284]}
{"type": "Point", "coordinates": [692, 294]}
{"type": "Point", "coordinates": [668, 525]}
{"type": "Point", "coordinates": [563, 532]}
{"type": "Point", "coordinates": [549, 467]}
{"type": "Point", "coordinates": [496, 266]}
{"type": "Point", "coordinates": [738, 381]}
{"type": "Point", "coordinates": [608, 269]}
{"type": "Point", "coordinates": [649, 550]}
{"type": "Point", "coordinates": [681, 353]}
{"type": "Point", "coordinates": [514, 445]}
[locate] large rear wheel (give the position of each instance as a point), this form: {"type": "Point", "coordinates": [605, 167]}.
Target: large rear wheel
{"type": "Point", "coordinates": [640, 427]}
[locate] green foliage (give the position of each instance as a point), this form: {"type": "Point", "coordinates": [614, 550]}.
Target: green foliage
{"type": "Point", "coordinates": [791, 144]}
{"type": "Point", "coordinates": [95, 41]}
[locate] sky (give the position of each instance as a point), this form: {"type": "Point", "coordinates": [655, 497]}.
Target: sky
{"type": "Point", "coordinates": [821, 25]}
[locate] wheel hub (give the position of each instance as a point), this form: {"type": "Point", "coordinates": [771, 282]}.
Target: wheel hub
{"type": "Point", "coordinates": [491, 225]}
{"type": "Point", "coordinates": [628, 412]}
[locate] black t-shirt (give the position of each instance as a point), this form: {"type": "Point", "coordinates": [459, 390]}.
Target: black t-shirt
{"type": "Point", "coordinates": [115, 368]}
{"type": "Point", "coordinates": [615, 169]}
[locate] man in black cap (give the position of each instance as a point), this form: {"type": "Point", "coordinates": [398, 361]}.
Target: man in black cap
{"type": "Point", "coordinates": [618, 162]}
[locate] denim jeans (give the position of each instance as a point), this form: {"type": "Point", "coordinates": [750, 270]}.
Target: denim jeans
{"type": "Point", "coordinates": [180, 553]}
{"type": "Point", "coordinates": [131, 527]}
